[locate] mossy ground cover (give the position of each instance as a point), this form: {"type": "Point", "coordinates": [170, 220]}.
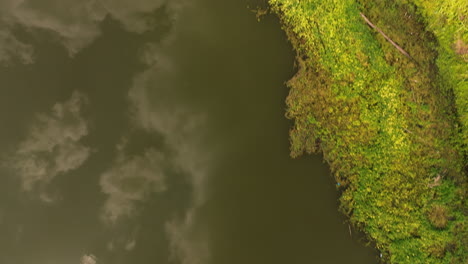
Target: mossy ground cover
{"type": "Point", "coordinates": [389, 125]}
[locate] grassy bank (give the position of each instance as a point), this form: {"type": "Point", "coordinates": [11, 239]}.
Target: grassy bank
{"type": "Point", "coordinates": [389, 124]}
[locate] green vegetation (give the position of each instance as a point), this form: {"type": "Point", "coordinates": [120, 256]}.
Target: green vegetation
{"type": "Point", "coordinates": [389, 125]}
{"type": "Point", "coordinates": [438, 216]}
{"type": "Point", "coordinates": [448, 21]}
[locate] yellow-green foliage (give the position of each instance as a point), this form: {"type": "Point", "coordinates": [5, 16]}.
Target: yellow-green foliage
{"type": "Point", "coordinates": [448, 20]}
{"type": "Point", "coordinates": [384, 122]}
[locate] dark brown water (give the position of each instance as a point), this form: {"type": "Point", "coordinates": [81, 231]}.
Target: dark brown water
{"type": "Point", "coordinates": [212, 105]}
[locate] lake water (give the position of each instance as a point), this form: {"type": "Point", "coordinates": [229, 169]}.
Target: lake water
{"type": "Point", "coordinates": [168, 146]}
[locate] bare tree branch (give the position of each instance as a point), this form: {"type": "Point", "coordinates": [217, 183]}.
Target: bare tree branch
{"type": "Point", "coordinates": [386, 37]}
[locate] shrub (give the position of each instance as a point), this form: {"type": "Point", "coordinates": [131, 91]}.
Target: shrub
{"type": "Point", "coordinates": [438, 216]}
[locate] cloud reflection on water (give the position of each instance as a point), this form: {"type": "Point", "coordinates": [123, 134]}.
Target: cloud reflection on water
{"type": "Point", "coordinates": [74, 24]}
{"type": "Point", "coordinates": [53, 146]}
{"type": "Point", "coordinates": [156, 109]}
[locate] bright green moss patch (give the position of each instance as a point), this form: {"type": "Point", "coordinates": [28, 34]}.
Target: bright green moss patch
{"type": "Point", "coordinates": [386, 123]}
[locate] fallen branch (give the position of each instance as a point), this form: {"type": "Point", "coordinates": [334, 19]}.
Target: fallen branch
{"type": "Point", "coordinates": [437, 179]}
{"type": "Point", "coordinates": [386, 37]}
{"type": "Point", "coordinates": [436, 182]}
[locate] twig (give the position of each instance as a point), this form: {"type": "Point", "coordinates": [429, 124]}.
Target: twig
{"type": "Point", "coordinates": [437, 179]}
{"type": "Point", "coordinates": [385, 36]}
{"type": "Point", "coordinates": [436, 182]}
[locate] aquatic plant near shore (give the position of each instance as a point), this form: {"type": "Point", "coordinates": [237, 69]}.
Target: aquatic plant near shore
{"type": "Point", "coordinates": [384, 122]}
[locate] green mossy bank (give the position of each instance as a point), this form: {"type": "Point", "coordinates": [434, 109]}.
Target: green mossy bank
{"type": "Point", "coordinates": [392, 127]}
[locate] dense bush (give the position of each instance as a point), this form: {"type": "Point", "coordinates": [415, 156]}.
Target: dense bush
{"type": "Point", "coordinates": [385, 122]}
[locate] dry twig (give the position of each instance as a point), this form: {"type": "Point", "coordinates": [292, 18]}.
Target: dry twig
{"type": "Point", "coordinates": [385, 36]}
